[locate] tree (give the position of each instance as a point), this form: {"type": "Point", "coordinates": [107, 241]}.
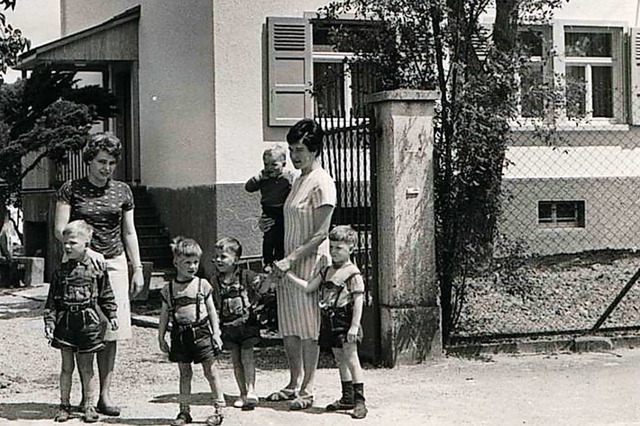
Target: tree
{"type": "Point", "coordinates": [12, 41]}
{"type": "Point", "coordinates": [441, 44]}
{"type": "Point", "coordinates": [45, 116]}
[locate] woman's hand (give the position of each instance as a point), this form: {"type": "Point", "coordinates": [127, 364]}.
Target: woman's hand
{"type": "Point", "coordinates": [265, 223]}
{"type": "Point", "coordinates": [97, 259]}
{"type": "Point", "coordinates": [282, 266]}
{"type": "Point", "coordinates": [137, 282]}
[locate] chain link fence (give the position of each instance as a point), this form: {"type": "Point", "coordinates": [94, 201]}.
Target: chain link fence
{"type": "Point", "coordinates": [569, 227]}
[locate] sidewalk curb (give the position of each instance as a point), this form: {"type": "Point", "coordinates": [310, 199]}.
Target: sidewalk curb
{"type": "Point", "coordinates": [573, 344]}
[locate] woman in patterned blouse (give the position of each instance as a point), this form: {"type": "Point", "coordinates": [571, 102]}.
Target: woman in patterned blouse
{"type": "Point", "coordinates": [107, 205]}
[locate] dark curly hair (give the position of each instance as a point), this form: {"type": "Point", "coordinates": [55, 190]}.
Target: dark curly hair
{"type": "Point", "coordinates": [309, 133]}
{"type": "Point", "coordinates": [106, 142]}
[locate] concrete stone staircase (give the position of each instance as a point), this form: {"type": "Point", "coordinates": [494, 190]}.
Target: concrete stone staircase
{"type": "Point", "coordinates": [153, 237]}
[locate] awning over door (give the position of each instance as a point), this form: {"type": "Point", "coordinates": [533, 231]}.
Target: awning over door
{"type": "Point", "coordinates": [111, 41]}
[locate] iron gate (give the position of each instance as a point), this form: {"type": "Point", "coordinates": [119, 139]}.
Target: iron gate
{"type": "Point", "coordinates": [350, 158]}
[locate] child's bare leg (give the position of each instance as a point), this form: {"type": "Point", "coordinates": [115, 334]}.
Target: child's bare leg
{"type": "Point", "coordinates": [66, 373]}
{"type": "Point", "coordinates": [352, 362]}
{"type": "Point", "coordinates": [85, 368]}
{"type": "Point", "coordinates": [238, 372]}
{"type": "Point", "coordinates": [343, 368]}
{"type": "Point", "coordinates": [212, 376]}
{"type": "Point", "coordinates": [211, 373]}
{"type": "Point", "coordinates": [186, 374]}
{"type": "Point", "coordinates": [346, 382]}
{"type": "Point", "coordinates": [249, 368]}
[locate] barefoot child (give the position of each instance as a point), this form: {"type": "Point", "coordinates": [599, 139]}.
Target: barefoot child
{"type": "Point", "coordinates": [341, 298]}
{"type": "Point", "coordinates": [195, 334]}
{"type": "Point", "coordinates": [71, 318]}
{"type": "Point", "coordinates": [274, 184]}
{"type": "Point", "coordinates": [238, 291]}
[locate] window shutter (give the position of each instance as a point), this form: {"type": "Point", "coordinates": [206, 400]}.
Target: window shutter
{"type": "Point", "coordinates": [634, 67]}
{"type": "Point", "coordinates": [290, 70]}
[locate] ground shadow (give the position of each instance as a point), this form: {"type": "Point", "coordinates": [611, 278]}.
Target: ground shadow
{"type": "Point", "coordinates": [27, 411]}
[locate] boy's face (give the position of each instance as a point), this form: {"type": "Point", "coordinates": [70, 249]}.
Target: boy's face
{"type": "Point", "coordinates": [75, 245]}
{"type": "Point", "coordinates": [224, 260]}
{"type": "Point", "coordinates": [272, 165]}
{"type": "Point", "coordinates": [340, 251]}
{"type": "Point", "coordinates": [186, 266]}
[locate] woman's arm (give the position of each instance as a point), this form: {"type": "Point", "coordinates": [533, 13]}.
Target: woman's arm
{"type": "Point", "coordinates": [130, 239]}
{"type": "Point", "coordinates": [321, 224]}
{"type": "Point", "coordinates": [61, 218]}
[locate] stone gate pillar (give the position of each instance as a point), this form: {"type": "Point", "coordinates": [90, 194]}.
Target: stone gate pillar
{"type": "Point", "coordinates": [409, 296]}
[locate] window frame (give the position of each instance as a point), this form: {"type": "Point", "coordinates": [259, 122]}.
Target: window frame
{"type": "Point", "coordinates": [553, 222]}
{"type": "Point", "coordinates": [556, 65]}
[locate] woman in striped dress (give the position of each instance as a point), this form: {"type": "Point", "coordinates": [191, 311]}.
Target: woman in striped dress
{"type": "Point", "coordinates": [307, 217]}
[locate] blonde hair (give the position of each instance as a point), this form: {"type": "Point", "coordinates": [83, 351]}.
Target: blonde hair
{"type": "Point", "coordinates": [185, 247]}
{"type": "Point", "coordinates": [78, 227]}
{"type": "Point", "coordinates": [277, 153]}
{"type": "Point", "coordinates": [344, 233]}
{"type": "Point", "coordinates": [229, 245]}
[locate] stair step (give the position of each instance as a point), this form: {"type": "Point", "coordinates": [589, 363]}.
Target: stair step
{"type": "Point", "coordinates": [154, 240]}
{"type": "Point", "coordinates": [147, 220]}
{"type": "Point", "coordinates": [155, 251]}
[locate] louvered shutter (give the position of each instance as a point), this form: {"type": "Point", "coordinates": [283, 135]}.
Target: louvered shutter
{"type": "Point", "coordinates": [634, 95]}
{"type": "Point", "coordinates": [290, 70]}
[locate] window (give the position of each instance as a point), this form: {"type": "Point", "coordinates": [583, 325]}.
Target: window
{"type": "Point", "coordinates": [339, 88]}
{"type": "Point", "coordinates": [561, 214]}
{"type": "Point", "coordinates": [589, 76]}
{"type": "Point", "coordinates": [307, 77]}
{"type": "Point", "coordinates": [585, 64]}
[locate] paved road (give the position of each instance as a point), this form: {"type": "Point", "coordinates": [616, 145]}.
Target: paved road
{"type": "Point", "coordinates": [559, 389]}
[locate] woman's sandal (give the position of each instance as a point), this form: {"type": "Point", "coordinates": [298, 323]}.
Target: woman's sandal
{"type": "Point", "coordinates": [302, 402]}
{"type": "Point", "coordinates": [250, 403]}
{"type": "Point", "coordinates": [63, 414]}
{"type": "Point", "coordinates": [283, 395]}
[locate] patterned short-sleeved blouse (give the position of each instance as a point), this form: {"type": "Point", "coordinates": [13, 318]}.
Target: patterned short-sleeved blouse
{"type": "Point", "coordinates": [100, 207]}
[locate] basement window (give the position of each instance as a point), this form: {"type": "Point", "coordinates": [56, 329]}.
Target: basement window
{"type": "Point", "coordinates": [561, 214]}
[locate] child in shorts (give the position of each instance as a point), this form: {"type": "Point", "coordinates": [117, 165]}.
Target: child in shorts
{"type": "Point", "coordinates": [274, 184]}
{"type": "Point", "coordinates": [341, 299]}
{"type": "Point", "coordinates": [187, 303]}
{"type": "Point", "coordinates": [79, 294]}
{"type": "Point", "coordinates": [237, 293]}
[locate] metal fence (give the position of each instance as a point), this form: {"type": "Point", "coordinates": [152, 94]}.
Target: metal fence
{"type": "Point", "coordinates": [569, 226]}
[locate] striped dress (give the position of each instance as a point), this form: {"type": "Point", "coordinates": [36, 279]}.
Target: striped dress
{"type": "Point", "coordinates": [298, 312]}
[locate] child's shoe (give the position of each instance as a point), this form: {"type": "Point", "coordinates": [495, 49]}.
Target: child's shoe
{"type": "Point", "coordinates": [360, 410]}
{"type": "Point", "coordinates": [90, 415]}
{"type": "Point", "coordinates": [182, 419]}
{"type": "Point", "coordinates": [63, 414]}
{"type": "Point", "coordinates": [216, 418]}
{"type": "Point", "coordinates": [346, 401]}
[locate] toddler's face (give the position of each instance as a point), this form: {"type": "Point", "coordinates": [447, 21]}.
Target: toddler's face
{"type": "Point", "coordinates": [186, 266]}
{"type": "Point", "coordinates": [273, 166]}
{"type": "Point", "coordinates": [75, 245]}
{"type": "Point", "coordinates": [340, 251]}
{"type": "Point", "coordinates": [225, 261]}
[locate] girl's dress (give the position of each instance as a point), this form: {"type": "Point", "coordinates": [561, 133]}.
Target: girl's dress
{"type": "Point", "coordinates": [298, 312]}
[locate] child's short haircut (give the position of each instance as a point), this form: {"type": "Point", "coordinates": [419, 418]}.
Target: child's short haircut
{"type": "Point", "coordinates": [229, 244]}
{"type": "Point", "coordinates": [277, 153]}
{"type": "Point", "coordinates": [78, 227]}
{"type": "Point", "coordinates": [344, 233]}
{"type": "Point", "coordinates": [185, 247]}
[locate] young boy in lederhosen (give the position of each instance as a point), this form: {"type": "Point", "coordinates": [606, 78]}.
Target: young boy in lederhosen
{"type": "Point", "coordinates": [187, 303]}
{"type": "Point", "coordinates": [78, 291]}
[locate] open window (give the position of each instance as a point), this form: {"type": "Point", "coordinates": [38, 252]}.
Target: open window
{"type": "Point", "coordinates": [307, 77]}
